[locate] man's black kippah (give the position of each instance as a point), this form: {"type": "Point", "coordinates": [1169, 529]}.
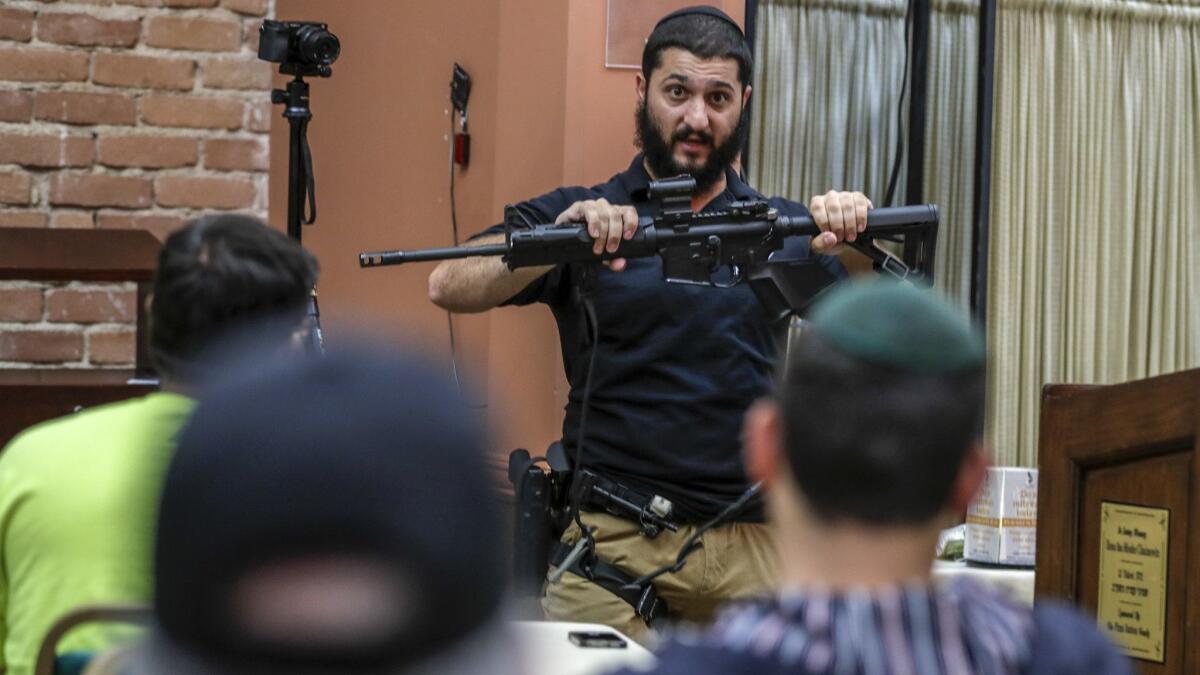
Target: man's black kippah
{"type": "Point", "coordinates": [700, 10]}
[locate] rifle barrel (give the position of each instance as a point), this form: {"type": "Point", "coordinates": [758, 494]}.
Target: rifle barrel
{"type": "Point", "coordinates": [382, 258]}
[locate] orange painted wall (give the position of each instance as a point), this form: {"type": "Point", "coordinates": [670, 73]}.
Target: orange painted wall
{"type": "Point", "coordinates": [544, 111]}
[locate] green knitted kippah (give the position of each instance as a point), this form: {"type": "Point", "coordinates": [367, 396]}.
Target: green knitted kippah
{"type": "Point", "coordinates": [898, 326]}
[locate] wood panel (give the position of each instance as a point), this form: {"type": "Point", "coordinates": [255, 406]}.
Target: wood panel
{"type": "Point", "coordinates": [31, 396]}
{"type": "Point", "coordinates": [34, 396]}
{"type": "Point", "coordinates": [85, 255]}
{"type": "Point", "coordinates": [1161, 482]}
{"type": "Point", "coordinates": [30, 254]}
{"type": "Point", "coordinates": [1133, 443]}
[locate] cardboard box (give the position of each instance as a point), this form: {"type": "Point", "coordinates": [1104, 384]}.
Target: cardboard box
{"type": "Point", "coordinates": [1002, 519]}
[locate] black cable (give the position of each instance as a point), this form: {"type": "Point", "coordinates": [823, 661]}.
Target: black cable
{"type": "Point", "coordinates": [454, 228]}
{"type": "Point", "coordinates": [693, 542]}
{"type": "Point", "coordinates": [587, 539]}
{"type": "Point", "coordinates": [577, 464]}
{"type": "Point", "coordinates": [895, 177]}
{"type": "Point", "coordinates": [453, 207]}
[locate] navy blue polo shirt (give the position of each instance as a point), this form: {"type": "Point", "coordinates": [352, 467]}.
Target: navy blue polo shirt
{"type": "Point", "coordinates": [677, 366]}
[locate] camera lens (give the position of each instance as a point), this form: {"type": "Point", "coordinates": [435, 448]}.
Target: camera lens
{"type": "Point", "coordinates": [317, 46]}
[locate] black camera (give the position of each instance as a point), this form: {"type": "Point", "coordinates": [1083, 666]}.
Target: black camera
{"type": "Point", "coordinates": [302, 47]}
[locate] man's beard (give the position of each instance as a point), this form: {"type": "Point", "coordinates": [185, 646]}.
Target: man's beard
{"type": "Point", "coordinates": [660, 157]}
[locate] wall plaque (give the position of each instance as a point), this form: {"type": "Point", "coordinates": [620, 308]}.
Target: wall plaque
{"type": "Point", "coordinates": [1132, 606]}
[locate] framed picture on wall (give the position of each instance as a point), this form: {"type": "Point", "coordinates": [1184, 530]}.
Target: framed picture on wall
{"type": "Point", "coordinates": [629, 24]}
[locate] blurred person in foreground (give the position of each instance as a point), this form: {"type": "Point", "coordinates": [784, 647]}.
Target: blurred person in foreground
{"type": "Point", "coordinates": [78, 494]}
{"type": "Point", "coordinates": [872, 435]}
{"type": "Point", "coordinates": [328, 515]}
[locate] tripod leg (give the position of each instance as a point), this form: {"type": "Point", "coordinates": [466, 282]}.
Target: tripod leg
{"type": "Point", "coordinates": [314, 342]}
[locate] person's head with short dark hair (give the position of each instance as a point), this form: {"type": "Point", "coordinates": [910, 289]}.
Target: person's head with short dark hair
{"type": "Point", "coordinates": [872, 436]}
{"type": "Point", "coordinates": [692, 95]}
{"type": "Point", "coordinates": [855, 429]}
{"type": "Point", "coordinates": [876, 423]}
{"type": "Point", "coordinates": [219, 274]}
{"type": "Point", "coordinates": [327, 515]}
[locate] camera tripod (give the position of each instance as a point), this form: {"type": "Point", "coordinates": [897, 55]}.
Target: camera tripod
{"type": "Point", "coordinates": [301, 184]}
{"type": "Point", "coordinates": [301, 48]}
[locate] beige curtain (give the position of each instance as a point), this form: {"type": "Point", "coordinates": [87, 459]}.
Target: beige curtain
{"type": "Point", "coordinates": [827, 85]}
{"type": "Point", "coordinates": [950, 139]}
{"type": "Point", "coordinates": [1094, 214]}
{"type": "Point", "coordinates": [1095, 185]}
{"type": "Point", "coordinates": [827, 89]}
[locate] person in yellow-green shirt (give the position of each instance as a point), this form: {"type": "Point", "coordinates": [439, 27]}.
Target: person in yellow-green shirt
{"type": "Point", "coordinates": [79, 495]}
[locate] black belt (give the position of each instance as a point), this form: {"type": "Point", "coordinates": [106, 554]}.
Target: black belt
{"type": "Point", "coordinates": [651, 512]}
{"type": "Point", "coordinates": [644, 598]}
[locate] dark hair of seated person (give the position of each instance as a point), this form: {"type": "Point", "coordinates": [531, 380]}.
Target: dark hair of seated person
{"type": "Point", "coordinates": [894, 462]}
{"type": "Point", "coordinates": [219, 273]}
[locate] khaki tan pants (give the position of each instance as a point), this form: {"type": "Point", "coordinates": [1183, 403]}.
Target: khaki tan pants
{"type": "Point", "coordinates": [736, 561]}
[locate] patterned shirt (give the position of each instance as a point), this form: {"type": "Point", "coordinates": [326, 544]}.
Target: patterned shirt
{"type": "Point", "coordinates": [957, 629]}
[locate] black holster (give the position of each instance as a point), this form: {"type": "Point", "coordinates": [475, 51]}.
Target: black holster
{"type": "Point", "coordinates": [543, 513]}
{"type": "Point", "coordinates": [539, 519]}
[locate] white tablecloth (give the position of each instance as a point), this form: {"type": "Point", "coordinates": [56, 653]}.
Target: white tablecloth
{"type": "Point", "coordinates": [549, 651]}
{"type": "Point", "coordinates": [1015, 582]}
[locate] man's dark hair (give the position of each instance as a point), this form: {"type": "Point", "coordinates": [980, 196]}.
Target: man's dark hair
{"type": "Point", "coordinates": [871, 443]}
{"type": "Point", "coordinates": [705, 36]}
{"type": "Point", "coordinates": [220, 273]}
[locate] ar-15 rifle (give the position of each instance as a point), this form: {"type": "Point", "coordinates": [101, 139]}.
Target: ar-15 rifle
{"type": "Point", "coordinates": [694, 247]}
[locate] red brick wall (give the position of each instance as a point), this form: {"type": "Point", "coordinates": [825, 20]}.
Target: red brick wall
{"type": "Point", "coordinates": [121, 114]}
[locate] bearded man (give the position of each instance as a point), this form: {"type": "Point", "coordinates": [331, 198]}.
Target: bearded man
{"type": "Point", "coordinates": [675, 366]}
